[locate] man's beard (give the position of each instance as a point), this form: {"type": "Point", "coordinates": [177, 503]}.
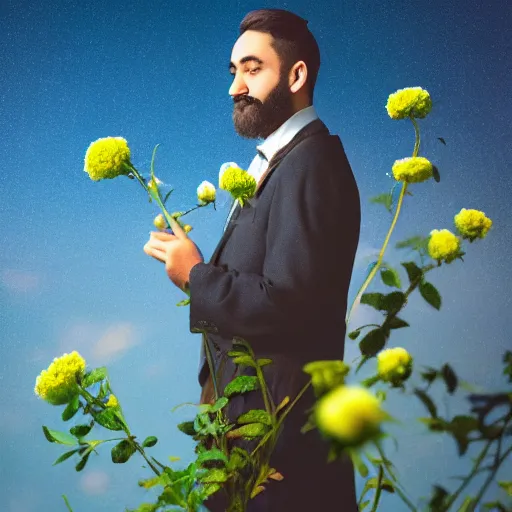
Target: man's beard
{"type": "Point", "coordinates": [254, 119]}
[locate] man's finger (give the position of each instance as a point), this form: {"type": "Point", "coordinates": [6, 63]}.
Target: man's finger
{"type": "Point", "coordinates": [177, 229]}
{"type": "Point", "coordinates": [162, 235]}
{"type": "Point", "coordinates": [158, 254]}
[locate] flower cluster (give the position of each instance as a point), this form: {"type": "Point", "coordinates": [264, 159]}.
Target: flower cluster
{"type": "Point", "coordinates": [58, 384]}
{"type": "Point", "coordinates": [412, 169]}
{"type": "Point", "coordinates": [107, 158]}
{"type": "Point", "coordinates": [112, 401]}
{"type": "Point", "coordinates": [350, 414]}
{"type": "Point", "coordinates": [394, 365]}
{"type": "Point", "coordinates": [239, 183]}
{"type": "Point", "coordinates": [472, 224]}
{"type": "Point", "coordinates": [409, 102]}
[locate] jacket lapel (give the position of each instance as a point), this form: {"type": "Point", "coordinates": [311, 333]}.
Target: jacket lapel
{"type": "Point", "coordinates": [313, 128]}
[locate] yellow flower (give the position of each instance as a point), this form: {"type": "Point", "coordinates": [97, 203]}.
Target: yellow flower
{"type": "Point", "coordinates": [443, 245]}
{"type": "Point", "coordinates": [394, 365]}
{"type": "Point", "coordinates": [412, 101]}
{"type": "Point", "coordinates": [472, 224]}
{"type": "Point", "coordinates": [160, 222]}
{"type": "Point", "coordinates": [187, 228]}
{"type": "Point", "coordinates": [107, 158]}
{"type": "Point", "coordinates": [412, 169]}
{"type": "Point", "coordinates": [326, 375]}
{"type": "Point", "coordinates": [57, 385]}
{"type": "Point", "coordinates": [350, 414]}
{"type": "Point", "coordinates": [239, 183]}
{"type": "Point", "coordinates": [206, 192]}
{"type": "Point", "coordinates": [112, 401]}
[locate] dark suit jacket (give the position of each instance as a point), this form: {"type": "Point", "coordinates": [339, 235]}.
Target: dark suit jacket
{"type": "Point", "coordinates": [279, 278]}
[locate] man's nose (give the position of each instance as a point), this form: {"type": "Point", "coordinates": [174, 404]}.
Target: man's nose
{"type": "Point", "coordinates": [238, 87]}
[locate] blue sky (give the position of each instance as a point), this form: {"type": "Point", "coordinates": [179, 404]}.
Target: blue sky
{"type": "Point", "coordinates": [73, 274]}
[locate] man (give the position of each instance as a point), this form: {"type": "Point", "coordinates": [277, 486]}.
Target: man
{"type": "Point", "coordinates": [280, 274]}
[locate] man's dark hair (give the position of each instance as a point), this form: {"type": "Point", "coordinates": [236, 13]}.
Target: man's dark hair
{"type": "Point", "coordinates": [292, 40]}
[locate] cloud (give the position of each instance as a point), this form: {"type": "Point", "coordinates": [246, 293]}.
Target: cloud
{"type": "Point", "coordinates": [116, 340]}
{"type": "Point", "coordinates": [95, 482]}
{"type": "Point", "coordinates": [21, 281]}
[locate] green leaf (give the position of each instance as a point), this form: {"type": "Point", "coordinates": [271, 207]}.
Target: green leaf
{"type": "Point", "coordinates": [122, 451]}
{"type": "Point", "coordinates": [459, 428]}
{"type": "Point", "coordinates": [354, 334]}
{"type": "Point", "coordinates": [149, 442]}
{"type": "Point", "coordinates": [361, 467]}
{"type": "Point", "coordinates": [213, 454]}
{"type": "Point", "coordinates": [397, 323]}
{"type": "Point", "coordinates": [364, 505]}
{"type": "Point", "coordinates": [430, 375]}
{"type": "Point", "coordinates": [385, 199]}
{"type": "Point", "coordinates": [238, 459]}
{"type": "Point", "coordinates": [83, 460]}
{"type": "Point", "coordinates": [435, 172]}
{"type": "Point", "coordinates": [393, 302]}
{"type": "Point", "coordinates": [184, 302]}
{"type": "Point", "coordinates": [71, 409]}
{"type": "Point", "coordinates": [507, 486]}
{"type": "Point", "coordinates": [241, 384]}
{"type": "Point", "coordinates": [219, 404]}
{"type": "Point", "coordinates": [414, 273]}
{"type": "Point", "coordinates": [108, 418]}
{"type": "Point", "coordinates": [96, 375]}
{"type": "Point", "coordinates": [236, 353]}
{"type": "Point", "coordinates": [427, 402]}
{"type": "Point", "coordinates": [81, 430]}
{"type": "Point", "coordinates": [263, 362]}
{"type": "Point", "coordinates": [255, 416]}
{"type": "Point", "coordinates": [216, 475]}
{"type": "Point", "coordinates": [373, 299]}
{"type": "Point", "coordinates": [249, 431]}
{"type": "Point", "coordinates": [187, 427]}
{"type": "Point", "coordinates": [168, 195]}
{"type": "Point", "coordinates": [450, 378]}
{"type": "Point", "coordinates": [244, 361]}
{"type": "Point", "coordinates": [390, 277]}
{"type": "Point", "coordinates": [438, 500]}
{"type": "Point", "coordinates": [430, 294]}
{"type": "Point", "coordinates": [65, 456]}
{"type": "Point", "coordinates": [54, 436]}
{"type": "Point", "coordinates": [373, 342]}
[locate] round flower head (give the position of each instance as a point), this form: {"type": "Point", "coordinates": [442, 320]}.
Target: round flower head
{"type": "Point", "coordinates": [413, 101]}
{"type": "Point", "coordinates": [187, 228]}
{"type": "Point", "coordinates": [443, 245]}
{"type": "Point", "coordinates": [206, 192]}
{"type": "Point", "coordinates": [350, 414]}
{"type": "Point", "coordinates": [160, 222]}
{"type": "Point", "coordinates": [394, 365]}
{"type": "Point", "coordinates": [57, 385]}
{"type": "Point", "coordinates": [107, 158]}
{"type": "Point", "coordinates": [326, 375]}
{"type": "Point", "coordinates": [239, 183]}
{"type": "Point", "coordinates": [413, 169]}
{"type": "Point", "coordinates": [472, 224]}
{"type": "Point", "coordinates": [112, 401]}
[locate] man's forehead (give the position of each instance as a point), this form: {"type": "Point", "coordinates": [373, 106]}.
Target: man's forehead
{"type": "Point", "coordinates": [254, 44]}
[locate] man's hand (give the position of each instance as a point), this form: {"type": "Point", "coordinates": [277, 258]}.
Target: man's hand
{"type": "Point", "coordinates": [177, 251]}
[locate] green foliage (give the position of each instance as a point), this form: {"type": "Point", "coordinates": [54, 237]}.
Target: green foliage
{"type": "Point", "coordinates": [373, 342]}
{"type": "Point", "coordinates": [149, 442]}
{"type": "Point", "coordinates": [429, 292]}
{"type": "Point", "coordinates": [54, 436]}
{"type": "Point", "coordinates": [96, 375]}
{"type": "Point", "coordinates": [255, 416]}
{"type": "Point", "coordinates": [390, 277]}
{"type": "Point", "coordinates": [241, 384]}
{"type": "Point", "coordinates": [249, 431]}
{"type": "Point", "coordinates": [122, 451]}
{"type": "Point", "coordinates": [71, 409]}
{"type": "Point", "coordinates": [109, 418]}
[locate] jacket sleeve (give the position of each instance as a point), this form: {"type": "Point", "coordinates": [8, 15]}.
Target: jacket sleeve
{"type": "Point", "coordinates": [312, 236]}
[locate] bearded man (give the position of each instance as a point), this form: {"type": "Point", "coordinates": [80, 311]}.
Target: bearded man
{"type": "Point", "coordinates": [280, 274]}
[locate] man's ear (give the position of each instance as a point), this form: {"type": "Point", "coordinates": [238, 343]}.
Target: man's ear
{"type": "Point", "coordinates": [298, 77]}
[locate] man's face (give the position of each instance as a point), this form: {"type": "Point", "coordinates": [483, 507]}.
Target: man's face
{"type": "Point", "coordinates": [263, 100]}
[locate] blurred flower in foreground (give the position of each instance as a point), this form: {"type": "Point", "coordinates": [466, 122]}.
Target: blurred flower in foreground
{"type": "Point", "coordinates": [443, 245]}
{"type": "Point", "coordinates": [107, 158]}
{"type": "Point", "coordinates": [472, 224]}
{"type": "Point", "coordinates": [206, 192]}
{"type": "Point", "coordinates": [112, 401]}
{"type": "Point", "coordinates": [239, 183]}
{"type": "Point", "coordinates": [411, 101]}
{"type": "Point", "coordinates": [58, 384]}
{"type": "Point", "coordinates": [350, 414]}
{"type": "Point", "coordinates": [394, 365]}
{"type": "Point", "coordinates": [414, 169]}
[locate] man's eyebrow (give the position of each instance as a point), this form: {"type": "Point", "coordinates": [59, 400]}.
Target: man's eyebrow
{"type": "Point", "coordinates": [249, 58]}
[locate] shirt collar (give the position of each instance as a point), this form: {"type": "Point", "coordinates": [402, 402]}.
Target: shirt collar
{"type": "Point", "coordinates": [287, 131]}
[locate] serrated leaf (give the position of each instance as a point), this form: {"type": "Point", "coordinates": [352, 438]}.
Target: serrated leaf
{"type": "Point", "coordinates": [397, 323]}
{"type": "Point", "coordinates": [255, 416]}
{"type": "Point", "coordinates": [65, 456]}
{"type": "Point", "coordinates": [149, 442]}
{"type": "Point", "coordinates": [213, 454]}
{"type": "Point", "coordinates": [427, 402]}
{"type": "Point", "coordinates": [71, 409]}
{"type": "Point", "coordinates": [373, 342]}
{"type": "Point", "coordinates": [414, 273]}
{"type": "Point", "coordinates": [187, 427]}
{"type": "Point", "coordinates": [450, 378]}
{"type": "Point", "coordinates": [108, 419]}
{"type": "Point", "coordinates": [241, 384]}
{"type": "Point", "coordinates": [54, 436]}
{"type": "Point", "coordinates": [390, 277]}
{"type": "Point", "coordinates": [249, 431]}
{"type": "Point", "coordinates": [429, 292]}
{"type": "Point", "coordinates": [96, 375]}
{"type": "Point", "coordinates": [122, 451]}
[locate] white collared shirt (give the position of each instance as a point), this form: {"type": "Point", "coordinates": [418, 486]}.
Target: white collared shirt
{"type": "Point", "coordinates": [275, 141]}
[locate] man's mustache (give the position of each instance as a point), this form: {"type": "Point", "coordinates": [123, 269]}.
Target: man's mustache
{"type": "Point", "coordinates": [245, 100]}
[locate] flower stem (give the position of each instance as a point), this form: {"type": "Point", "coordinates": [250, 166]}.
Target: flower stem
{"type": "Point", "coordinates": [143, 453]}
{"type": "Point", "coordinates": [378, 491]}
